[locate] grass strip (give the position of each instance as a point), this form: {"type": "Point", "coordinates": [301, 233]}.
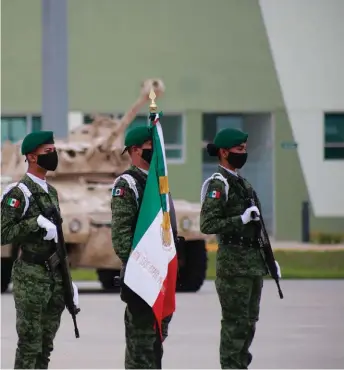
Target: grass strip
{"type": "Point", "coordinates": [300, 264]}
{"type": "Point", "coordinates": [295, 264]}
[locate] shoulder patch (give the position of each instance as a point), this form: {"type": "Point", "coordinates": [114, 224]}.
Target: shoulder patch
{"type": "Point", "coordinates": [12, 202]}
{"type": "Point", "coordinates": [204, 191]}
{"type": "Point", "coordinates": [118, 192]}
{"type": "Point", "coordinates": [214, 194]}
{"type": "Point", "coordinates": [127, 180]}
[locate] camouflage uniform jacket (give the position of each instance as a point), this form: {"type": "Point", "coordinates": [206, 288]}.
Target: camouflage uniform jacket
{"type": "Point", "coordinates": [238, 252]}
{"type": "Point", "coordinates": [19, 220]}
{"type": "Point", "coordinates": [125, 202]}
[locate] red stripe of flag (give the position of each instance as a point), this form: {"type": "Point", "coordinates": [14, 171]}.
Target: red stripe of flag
{"type": "Point", "coordinates": [165, 303]}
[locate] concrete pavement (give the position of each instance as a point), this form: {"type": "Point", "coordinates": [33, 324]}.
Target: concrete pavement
{"type": "Point", "coordinates": [304, 330]}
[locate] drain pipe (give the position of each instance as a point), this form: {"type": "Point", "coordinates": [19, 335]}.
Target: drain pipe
{"type": "Point", "coordinates": [305, 221]}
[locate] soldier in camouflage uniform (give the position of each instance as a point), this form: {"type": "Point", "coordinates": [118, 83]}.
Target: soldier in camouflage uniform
{"type": "Point", "coordinates": [143, 348]}
{"type": "Point", "coordinates": [240, 267]}
{"type": "Point", "coordinates": [38, 293]}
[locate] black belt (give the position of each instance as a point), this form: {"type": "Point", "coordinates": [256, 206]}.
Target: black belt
{"type": "Point", "coordinates": [239, 240]}
{"type": "Point", "coordinates": [50, 262]}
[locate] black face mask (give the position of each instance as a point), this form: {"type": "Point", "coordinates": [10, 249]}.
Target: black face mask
{"type": "Point", "coordinates": [147, 155]}
{"type": "Point", "coordinates": [48, 161]}
{"type": "Point", "coordinates": [237, 160]}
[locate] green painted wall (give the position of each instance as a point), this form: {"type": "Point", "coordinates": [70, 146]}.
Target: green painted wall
{"type": "Point", "coordinates": [113, 47]}
{"type": "Point", "coordinates": [290, 187]}
{"type": "Point", "coordinates": [185, 180]}
{"type": "Point", "coordinates": [205, 54]}
{"type": "Point", "coordinates": [327, 225]}
{"type": "Point", "coordinates": [21, 56]}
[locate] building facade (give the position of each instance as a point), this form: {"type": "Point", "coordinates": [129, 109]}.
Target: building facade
{"type": "Point", "coordinates": [275, 71]}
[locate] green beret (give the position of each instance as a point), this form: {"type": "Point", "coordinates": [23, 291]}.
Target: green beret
{"type": "Point", "coordinates": [229, 138]}
{"type": "Point", "coordinates": [35, 139]}
{"type": "Point", "coordinates": [137, 136]}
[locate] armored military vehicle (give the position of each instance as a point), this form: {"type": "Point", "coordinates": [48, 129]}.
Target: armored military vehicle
{"type": "Point", "coordinates": [89, 161]}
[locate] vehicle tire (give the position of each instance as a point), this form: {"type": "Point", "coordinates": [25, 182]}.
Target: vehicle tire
{"type": "Point", "coordinates": [107, 277]}
{"type": "Point", "coordinates": [193, 272]}
{"type": "Point", "coordinates": [6, 271]}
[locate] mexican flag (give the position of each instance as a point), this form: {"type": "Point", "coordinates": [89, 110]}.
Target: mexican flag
{"type": "Point", "coordinates": [151, 270]}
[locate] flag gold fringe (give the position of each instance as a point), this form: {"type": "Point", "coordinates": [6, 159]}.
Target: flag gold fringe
{"type": "Point", "coordinates": [163, 185]}
{"type": "Point", "coordinates": [166, 224]}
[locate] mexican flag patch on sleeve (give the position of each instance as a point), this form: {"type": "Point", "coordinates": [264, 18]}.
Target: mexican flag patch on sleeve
{"type": "Point", "coordinates": [214, 194]}
{"type": "Point", "coordinates": [13, 202]}
{"type": "Point", "coordinates": [118, 192]}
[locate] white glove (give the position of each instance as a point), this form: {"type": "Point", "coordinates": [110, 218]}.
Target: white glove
{"type": "Point", "coordinates": [278, 269]}
{"type": "Point", "coordinates": [75, 295]}
{"type": "Point", "coordinates": [44, 223]}
{"type": "Point", "coordinates": [246, 216]}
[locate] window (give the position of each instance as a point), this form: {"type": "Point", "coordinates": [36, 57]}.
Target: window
{"type": "Point", "coordinates": [334, 136]}
{"type": "Point", "coordinates": [15, 128]}
{"type": "Point", "coordinates": [173, 129]}
{"type": "Point", "coordinates": [36, 123]}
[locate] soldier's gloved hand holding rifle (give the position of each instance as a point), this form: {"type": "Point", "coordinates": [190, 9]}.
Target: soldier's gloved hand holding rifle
{"type": "Point", "coordinates": [252, 214]}
{"type": "Point", "coordinates": [44, 223]}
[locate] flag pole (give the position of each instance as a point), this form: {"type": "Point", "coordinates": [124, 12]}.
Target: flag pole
{"type": "Point", "coordinates": [153, 118]}
{"type": "Point", "coordinates": [163, 180]}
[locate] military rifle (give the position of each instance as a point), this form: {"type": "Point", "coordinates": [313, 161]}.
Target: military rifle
{"type": "Point", "coordinates": [54, 216]}
{"type": "Point", "coordinates": [265, 245]}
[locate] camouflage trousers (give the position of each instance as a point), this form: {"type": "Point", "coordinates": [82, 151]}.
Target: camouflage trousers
{"type": "Point", "coordinates": [39, 303]}
{"type": "Point", "coordinates": [240, 303]}
{"type": "Point", "coordinates": [144, 349]}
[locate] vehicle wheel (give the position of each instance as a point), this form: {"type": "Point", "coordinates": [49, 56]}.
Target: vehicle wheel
{"type": "Point", "coordinates": [193, 272]}
{"type": "Point", "coordinates": [6, 271]}
{"type": "Point", "coordinates": [107, 277]}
